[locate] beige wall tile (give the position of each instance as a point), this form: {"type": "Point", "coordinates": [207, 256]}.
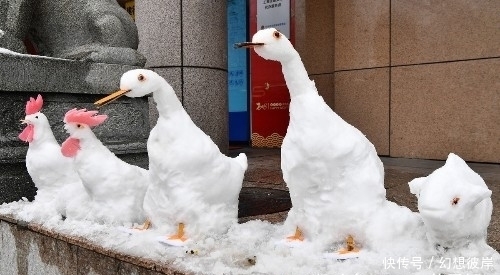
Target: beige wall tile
{"type": "Point", "coordinates": [361, 34]}
{"type": "Point", "coordinates": [362, 99]}
{"type": "Point", "coordinates": [449, 107]}
{"type": "Point", "coordinates": [429, 31]}
{"type": "Point", "coordinates": [299, 16]}
{"type": "Point", "coordinates": [325, 85]}
{"type": "Point", "coordinates": [314, 28]}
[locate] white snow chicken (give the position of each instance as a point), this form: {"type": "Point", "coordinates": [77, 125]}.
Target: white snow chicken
{"type": "Point", "coordinates": [53, 174]}
{"type": "Point", "coordinates": [116, 188]}
{"type": "Point", "coordinates": [194, 187]}
{"type": "Point", "coordinates": [333, 172]}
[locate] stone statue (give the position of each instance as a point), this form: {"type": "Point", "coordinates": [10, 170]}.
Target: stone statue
{"type": "Point", "coordinates": [89, 30]}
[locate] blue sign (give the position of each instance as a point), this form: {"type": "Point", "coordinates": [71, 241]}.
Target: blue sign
{"type": "Point", "coordinates": [239, 119]}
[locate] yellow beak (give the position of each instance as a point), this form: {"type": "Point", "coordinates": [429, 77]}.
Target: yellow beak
{"type": "Point", "coordinates": [110, 98]}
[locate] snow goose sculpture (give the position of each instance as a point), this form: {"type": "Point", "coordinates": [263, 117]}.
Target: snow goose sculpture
{"type": "Point", "coordinates": [116, 188]}
{"type": "Point", "coordinates": [333, 173]}
{"type": "Point", "coordinates": [53, 174]}
{"type": "Point", "coordinates": [194, 187]}
{"type": "Point", "coordinates": [455, 204]}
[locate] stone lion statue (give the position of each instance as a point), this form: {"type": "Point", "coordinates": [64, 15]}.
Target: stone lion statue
{"type": "Point", "coordinates": [89, 30]}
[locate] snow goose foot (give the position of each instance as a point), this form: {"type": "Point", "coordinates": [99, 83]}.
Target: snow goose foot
{"type": "Point", "coordinates": [178, 239]}
{"type": "Point", "coordinates": [350, 251]}
{"type": "Point", "coordinates": [145, 226]}
{"type": "Point", "coordinates": [136, 229]}
{"type": "Point", "coordinates": [295, 240]}
{"type": "Point", "coordinates": [297, 237]}
{"type": "Point", "coordinates": [350, 246]}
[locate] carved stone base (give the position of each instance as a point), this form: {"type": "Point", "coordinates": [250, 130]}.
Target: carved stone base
{"type": "Point", "coordinates": [64, 84]}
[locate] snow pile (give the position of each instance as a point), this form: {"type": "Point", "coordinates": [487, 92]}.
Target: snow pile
{"type": "Point", "coordinates": [115, 188]}
{"type": "Point", "coordinates": [53, 174]}
{"type": "Point", "coordinates": [455, 204]}
{"type": "Point", "coordinates": [329, 164]}
{"type": "Point", "coordinates": [333, 172]}
{"type": "Point", "coordinates": [256, 247]}
{"type": "Point", "coordinates": [193, 186]}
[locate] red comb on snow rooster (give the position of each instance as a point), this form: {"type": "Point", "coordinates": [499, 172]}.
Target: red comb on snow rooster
{"type": "Point", "coordinates": [52, 173]}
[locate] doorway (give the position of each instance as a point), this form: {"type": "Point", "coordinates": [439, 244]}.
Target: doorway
{"type": "Point", "coordinates": [258, 95]}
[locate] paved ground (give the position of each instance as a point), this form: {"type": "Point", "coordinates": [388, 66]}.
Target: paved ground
{"type": "Point", "coordinates": [264, 171]}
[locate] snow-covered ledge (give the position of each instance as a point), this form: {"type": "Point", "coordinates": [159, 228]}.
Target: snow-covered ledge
{"type": "Point", "coordinates": [31, 248]}
{"type": "Point", "coordinates": [53, 246]}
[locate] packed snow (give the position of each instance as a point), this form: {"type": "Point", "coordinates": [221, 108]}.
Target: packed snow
{"type": "Point", "coordinates": [336, 187]}
{"type": "Point", "coordinates": [454, 203]}
{"type": "Point", "coordinates": [255, 247]}
{"type": "Point", "coordinates": [115, 188]}
{"type": "Point", "coordinates": [53, 174]}
{"type": "Point", "coordinates": [193, 186]}
{"type": "Point", "coordinates": [326, 162]}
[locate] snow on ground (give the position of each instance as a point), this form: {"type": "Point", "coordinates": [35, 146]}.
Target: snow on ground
{"type": "Point", "coordinates": [256, 247]}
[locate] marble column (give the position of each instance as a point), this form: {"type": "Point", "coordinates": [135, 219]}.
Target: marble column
{"type": "Point", "coordinates": [185, 42]}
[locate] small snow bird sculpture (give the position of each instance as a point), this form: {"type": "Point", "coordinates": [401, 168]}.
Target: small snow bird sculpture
{"type": "Point", "coordinates": [454, 203]}
{"type": "Point", "coordinates": [116, 188]}
{"type": "Point", "coordinates": [53, 174]}
{"type": "Point", "coordinates": [333, 172]}
{"type": "Point", "coordinates": [193, 185]}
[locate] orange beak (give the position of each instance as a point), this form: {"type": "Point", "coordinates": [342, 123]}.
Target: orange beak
{"type": "Point", "coordinates": [110, 98]}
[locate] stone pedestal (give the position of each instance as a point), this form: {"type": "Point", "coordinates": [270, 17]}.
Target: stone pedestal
{"type": "Point", "coordinates": [31, 249]}
{"type": "Point", "coordinates": [64, 84]}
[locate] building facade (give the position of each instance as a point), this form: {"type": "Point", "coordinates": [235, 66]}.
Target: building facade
{"type": "Point", "coordinates": [419, 78]}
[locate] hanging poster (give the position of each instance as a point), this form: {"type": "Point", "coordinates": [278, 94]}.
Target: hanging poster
{"type": "Point", "coordinates": [274, 14]}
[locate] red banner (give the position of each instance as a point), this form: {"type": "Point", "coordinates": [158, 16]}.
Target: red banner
{"type": "Point", "coordinates": [269, 98]}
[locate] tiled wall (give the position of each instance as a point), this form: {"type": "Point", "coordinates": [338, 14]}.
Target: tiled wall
{"type": "Point", "coordinates": [314, 41]}
{"type": "Point", "coordinates": [185, 42]}
{"type": "Point", "coordinates": [420, 78]}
